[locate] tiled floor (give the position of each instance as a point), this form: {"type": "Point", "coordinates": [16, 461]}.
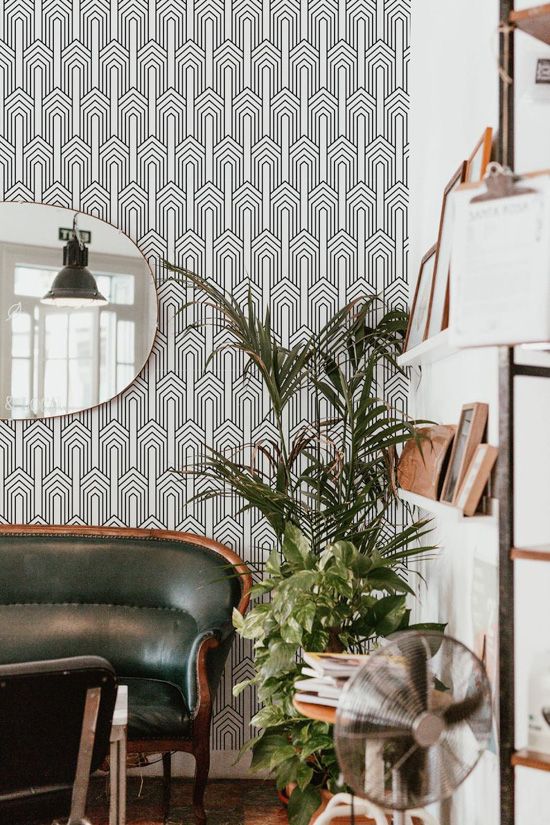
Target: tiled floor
{"type": "Point", "coordinates": [227, 802]}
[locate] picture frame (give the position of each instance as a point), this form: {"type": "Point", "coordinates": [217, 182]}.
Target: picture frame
{"type": "Point", "coordinates": [423, 460]}
{"type": "Point", "coordinates": [480, 157]}
{"type": "Point", "coordinates": [438, 313]}
{"type": "Point", "coordinates": [476, 478]}
{"type": "Point", "coordinates": [469, 435]}
{"type": "Point", "coordinates": [418, 319]}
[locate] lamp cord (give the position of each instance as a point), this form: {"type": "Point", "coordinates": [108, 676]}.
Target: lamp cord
{"type": "Point", "coordinates": [352, 810]}
{"type": "Point", "coordinates": [76, 231]}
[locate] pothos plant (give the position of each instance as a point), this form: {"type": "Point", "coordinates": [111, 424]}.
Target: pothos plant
{"type": "Point", "coordinates": [336, 577]}
{"type": "Point", "coordinates": [311, 596]}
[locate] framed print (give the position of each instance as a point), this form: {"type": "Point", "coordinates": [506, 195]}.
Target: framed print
{"type": "Point", "coordinates": [480, 157]}
{"type": "Point", "coordinates": [422, 463]}
{"type": "Point", "coordinates": [417, 329]}
{"type": "Point", "coordinates": [438, 313]}
{"type": "Point", "coordinates": [469, 434]}
{"type": "Point", "coordinates": [476, 478]}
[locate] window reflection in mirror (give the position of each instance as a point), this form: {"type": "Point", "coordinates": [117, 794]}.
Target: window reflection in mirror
{"type": "Point", "coordinates": [58, 358]}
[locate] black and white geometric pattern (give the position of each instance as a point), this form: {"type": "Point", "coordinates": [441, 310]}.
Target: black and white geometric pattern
{"type": "Point", "coordinates": [246, 139]}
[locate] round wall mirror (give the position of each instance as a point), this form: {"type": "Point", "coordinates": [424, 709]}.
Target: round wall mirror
{"type": "Point", "coordinates": [78, 311]}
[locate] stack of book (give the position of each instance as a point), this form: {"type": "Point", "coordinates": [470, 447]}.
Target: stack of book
{"type": "Point", "coordinates": [326, 673]}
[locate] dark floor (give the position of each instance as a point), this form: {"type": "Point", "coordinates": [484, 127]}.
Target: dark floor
{"type": "Point", "coordinates": [227, 802]}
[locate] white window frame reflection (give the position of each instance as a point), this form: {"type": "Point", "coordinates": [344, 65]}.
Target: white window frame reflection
{"type": "Point", "coordinates": [104, 382]}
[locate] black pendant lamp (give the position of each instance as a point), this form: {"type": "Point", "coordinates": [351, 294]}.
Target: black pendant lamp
{"type": "Point", "coordinates": [74, 286]}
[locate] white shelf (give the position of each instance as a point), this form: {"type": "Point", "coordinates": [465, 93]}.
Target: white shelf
{"type": "Point", "coordinates": [433, 349]}
{"type": "Point", "coordinates": [447, 511]}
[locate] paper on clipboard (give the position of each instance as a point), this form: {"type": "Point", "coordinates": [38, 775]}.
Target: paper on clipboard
{"type": "Point", "coordinates": [500, 266]}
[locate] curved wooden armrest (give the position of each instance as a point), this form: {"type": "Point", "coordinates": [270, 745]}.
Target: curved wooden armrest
{"type": "Point", "coordinates": [203, 709]}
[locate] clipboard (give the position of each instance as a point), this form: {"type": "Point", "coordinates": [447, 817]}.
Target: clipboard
{"type": "Point", "coordinates": [500, 272]}
{"type": "Point", "coordinates": [501, 182]}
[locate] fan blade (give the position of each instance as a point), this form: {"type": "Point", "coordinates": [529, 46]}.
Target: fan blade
{"type": "Point", "coordinates": [414, 776]}
{"type": "Point", "coordinates": [462, 711]}
{"type": "Point", "coordinates": [418, 655]}
{"type": "Point", "coordinates": [374, 708]}
{"type": "Point", "coordinates": [376, 732]}
{"type": "Point", "coordinates": [407, 769]}
{"type": "Point", "coordinates": [378, 714]}
{"type": "Point", "coordinates": [455, 763]}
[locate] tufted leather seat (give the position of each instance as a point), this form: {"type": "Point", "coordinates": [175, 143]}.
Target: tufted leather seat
{"type": "Point", "coordinates": [151, 602]}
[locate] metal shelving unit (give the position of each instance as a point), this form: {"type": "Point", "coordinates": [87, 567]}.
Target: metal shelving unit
{"type": "Point", "coordinates": [535, 22]}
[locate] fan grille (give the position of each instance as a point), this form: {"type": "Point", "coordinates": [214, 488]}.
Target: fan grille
{"type": "Point", "coordinates": [414, 721]}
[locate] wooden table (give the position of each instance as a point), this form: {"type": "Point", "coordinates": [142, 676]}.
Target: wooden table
{"type": "Point", "coordinates": [321, 713]}
{"type": "Point", "coordinates": [117, 760]}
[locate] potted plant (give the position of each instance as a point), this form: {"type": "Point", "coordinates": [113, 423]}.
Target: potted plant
{"type": "Point", "coordinates": [336, 578]}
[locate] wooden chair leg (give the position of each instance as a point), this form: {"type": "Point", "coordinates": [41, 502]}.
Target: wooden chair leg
{"type": "Point", "coordinates": [167, 771]}
{"type": "Point", "coordinates": [202, 767]}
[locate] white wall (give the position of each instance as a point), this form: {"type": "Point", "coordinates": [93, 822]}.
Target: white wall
{"type": "Point", "coordinates": [453, 87]}
{"type": "Point", "coordinates": [454, 95]}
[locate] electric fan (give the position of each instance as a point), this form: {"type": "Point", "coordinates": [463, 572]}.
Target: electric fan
{"type": "Point", "coordinates": [413, 722]}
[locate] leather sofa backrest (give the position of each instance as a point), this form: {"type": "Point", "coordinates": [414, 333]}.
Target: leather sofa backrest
{"type": "Point", "coordinates": [139, 598]}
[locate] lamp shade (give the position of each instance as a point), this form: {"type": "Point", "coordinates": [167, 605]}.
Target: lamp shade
{"type": "Point", "coordinates": [74, 285]}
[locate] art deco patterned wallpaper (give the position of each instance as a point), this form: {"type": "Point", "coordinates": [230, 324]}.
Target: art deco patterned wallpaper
{"type": "Point", "coordinates": [243, 138]}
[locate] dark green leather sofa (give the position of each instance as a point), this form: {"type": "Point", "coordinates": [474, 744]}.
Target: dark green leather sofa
{"type": "Point", "coordinates": [156, 604]}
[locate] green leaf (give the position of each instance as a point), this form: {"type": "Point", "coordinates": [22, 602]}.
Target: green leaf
{"type": "Point", "coordinates": [437, 626]}
{"type": "Point", "coordinates": [290, 591]}
{"type": "Point", "coordinates": [281, 754]}
{"type": "Point", "coordinates": [269, 688]}
{"type": "Point", "coordinates": [261, 588]}
{"type": "Point", "coordinates": [273, 564]}
{"type": "Point", "coordinates": [250, 743]}
{"type": "Point", "coordinates": [238, 619]}
{"type": "Point", "coordinates": [264, 750]}
{"type": "Point", "coordinates": [286, 772]}
{"type": "Point", "coordinates": [253, 625]}
{"type": "Point", "coordinates": [318, 640]}
{"type": "Point", "coordinates": [304, 775]}
{"type": "Point", "coordinates": [316, 743]}
{"type": "Point", "coordinates": [361, 566]}
{"type": "Point", "coordinates": [292, 632]}
{"type": "Point", "coordinates": [305, 615]}
{"type": "Point", "coordinates": [303, 804]}
{"type": "Point", "coordinates": [240, 686]}
{"type": "Point", "coordinates": [295, 546]}
{"type": "Point", "coordinates": [387, 614]}
{"type": "Point", "coordinates": [282, 656]}
{"type": "Point", "coordinates": [340, 584]}
{"type": "Point", "coordinates": [345, 551]}
{"type": "Point", "coordinates": [268, 717]}
{"type": "Point", "coordinates": [433, 641]}
{"type": "Point", "coordinates": [382, 578]}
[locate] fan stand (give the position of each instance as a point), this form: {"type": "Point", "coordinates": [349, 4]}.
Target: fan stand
{"type": "Point", "coordinates": [343, 804]}
{"type": "Point", "coordinates": [399, 817]}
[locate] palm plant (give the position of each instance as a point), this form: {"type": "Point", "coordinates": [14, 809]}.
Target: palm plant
{"type": "Point", "coordinates": [334, 477]}
{"type": "Point", "coordinates": [337, 577]}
